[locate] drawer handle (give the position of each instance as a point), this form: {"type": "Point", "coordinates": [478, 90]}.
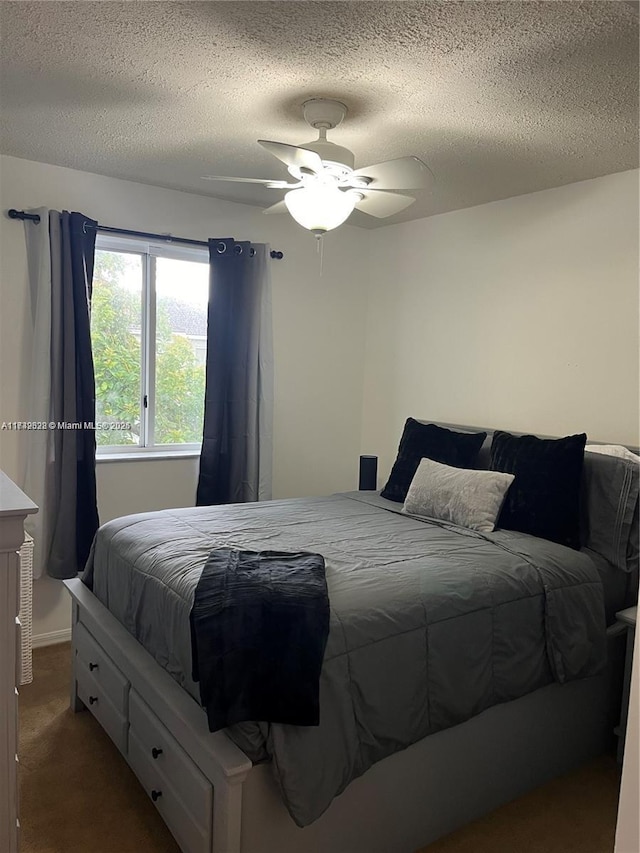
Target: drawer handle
{"type": "Point", "coordinates": [93, 666]}
{"type": "Point", "coordinates": [156, 752]}
{"type": "Point", "coordinates": [92, 699]}
{"type": "Point", "coordinates": [155, 795]}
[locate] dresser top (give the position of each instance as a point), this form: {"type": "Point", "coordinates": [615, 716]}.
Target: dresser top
{"type": "Point", "coordinates": [13, 500]}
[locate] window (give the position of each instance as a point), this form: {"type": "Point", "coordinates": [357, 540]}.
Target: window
{"type": "Point", "coordinates": [149, 339]}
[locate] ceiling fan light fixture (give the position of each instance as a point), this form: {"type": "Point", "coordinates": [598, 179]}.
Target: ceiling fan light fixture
{"type": "Point", "coordinates": [320, 208]}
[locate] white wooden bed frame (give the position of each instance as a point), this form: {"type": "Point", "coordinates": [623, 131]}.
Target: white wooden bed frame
{"type": "Point", "coordinates": [401, 804]}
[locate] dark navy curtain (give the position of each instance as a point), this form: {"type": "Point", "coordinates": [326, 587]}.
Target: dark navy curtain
{"type": "Point", "coordinates": [71, 474]}
{"type": "Point", "coordinates": [235, 463]}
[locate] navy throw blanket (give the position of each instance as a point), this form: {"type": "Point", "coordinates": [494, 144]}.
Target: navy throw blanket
{"type": "Point", "coordinates": [259, 627]}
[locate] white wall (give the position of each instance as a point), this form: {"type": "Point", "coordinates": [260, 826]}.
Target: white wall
{"type": "Point", "coordinates": [520, 314]}
{"type": "Point", "coordinates": [318, 341]}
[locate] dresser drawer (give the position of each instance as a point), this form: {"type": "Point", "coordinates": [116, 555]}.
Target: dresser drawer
{"type": "Point", "coordinates": [112, 721]}
{"type": "Point", "coordinates": [91, 659]}
{"type": "Point", "coordinates": [193, 836]}
{"type": "Point", "coordinates": [170, 760]}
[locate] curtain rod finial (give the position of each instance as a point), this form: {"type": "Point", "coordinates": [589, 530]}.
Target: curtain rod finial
{"type": "Point", "coordinates": [20, 214]}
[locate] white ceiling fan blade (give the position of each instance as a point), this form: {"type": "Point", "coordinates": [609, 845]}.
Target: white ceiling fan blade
{"type": "Point", "coordinates": [293, 155]}
{"type": "Point", "coordinates": [380, 204]}
{"type": "Point", "coordinates": [275, 184]}
{"type": "Point", "coordinates": [278, 207]}
{"type": "Point", "coordinates": [405, 173]}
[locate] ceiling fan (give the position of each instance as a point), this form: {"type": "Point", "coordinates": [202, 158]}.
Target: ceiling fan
{"type": "Point", "coordinates": [327, 187]}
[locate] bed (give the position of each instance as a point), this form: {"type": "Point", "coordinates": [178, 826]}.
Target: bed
{"type": "Point", "coordinates": [462, 669]}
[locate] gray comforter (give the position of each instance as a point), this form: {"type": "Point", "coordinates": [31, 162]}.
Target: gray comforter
{"type": "Point", "coordinates": [430, 623]}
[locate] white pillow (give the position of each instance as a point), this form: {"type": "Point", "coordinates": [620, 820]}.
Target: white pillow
{"type": "Point", "coordinates": [613, 450]}
{"type": "Point", "coordinates": [461, 496]}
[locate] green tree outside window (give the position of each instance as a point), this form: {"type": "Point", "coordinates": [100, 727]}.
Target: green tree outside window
{"type": "Point", "coordinates": [115, 331]}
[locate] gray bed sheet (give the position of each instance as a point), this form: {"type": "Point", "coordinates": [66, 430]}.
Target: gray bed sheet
{"type": "Point", "coordinates": [430, 623]}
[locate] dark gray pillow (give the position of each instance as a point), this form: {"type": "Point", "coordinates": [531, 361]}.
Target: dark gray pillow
{"type": "Point", "coordinates": [610, 499]}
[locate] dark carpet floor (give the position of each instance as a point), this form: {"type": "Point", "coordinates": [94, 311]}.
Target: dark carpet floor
{"type": "Point", "coordinates": [77, 794]}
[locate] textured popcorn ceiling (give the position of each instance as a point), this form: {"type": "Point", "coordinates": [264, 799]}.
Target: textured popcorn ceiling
{"type": "Point", "coordinates": [498, 98]}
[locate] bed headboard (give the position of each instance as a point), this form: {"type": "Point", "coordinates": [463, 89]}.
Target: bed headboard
{"type": "Point", "coordinates": [483, 457]}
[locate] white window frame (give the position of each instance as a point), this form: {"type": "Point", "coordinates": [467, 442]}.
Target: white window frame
{"type": "Point", "coordinates": [149, 251]}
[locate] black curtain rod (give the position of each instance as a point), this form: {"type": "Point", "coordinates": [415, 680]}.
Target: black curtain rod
{"type": "Point", "coordinates": [34, 217]}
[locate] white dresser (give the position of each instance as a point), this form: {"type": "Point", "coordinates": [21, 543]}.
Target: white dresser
{"type": "Point", "coordinates": [14, 508]}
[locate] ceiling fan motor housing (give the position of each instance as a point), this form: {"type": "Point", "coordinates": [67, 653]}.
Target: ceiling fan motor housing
{"type": "Point", "coordinates": [324, 114]}
{"type": "Point", "coordinates": [331, 153]}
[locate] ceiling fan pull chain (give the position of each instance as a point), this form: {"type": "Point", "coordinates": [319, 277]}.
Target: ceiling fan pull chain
{"type": "Point", "coordinates": [320, 250]}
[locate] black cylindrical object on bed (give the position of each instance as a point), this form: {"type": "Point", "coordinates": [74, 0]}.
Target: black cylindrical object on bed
{"type": "Point", "coordinates": [368, 480]}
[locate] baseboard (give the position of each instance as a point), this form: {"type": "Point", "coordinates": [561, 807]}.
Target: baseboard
{"type": "Point", "coordinates": [52, 638]}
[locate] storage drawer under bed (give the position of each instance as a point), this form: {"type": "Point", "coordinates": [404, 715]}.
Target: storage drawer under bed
{"type": "Point", "coordinates": [181, 793]}
{"type": "Point", "coordinates": [96, 700]}
{"type": "Point", "coordinates": [91, 660]}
